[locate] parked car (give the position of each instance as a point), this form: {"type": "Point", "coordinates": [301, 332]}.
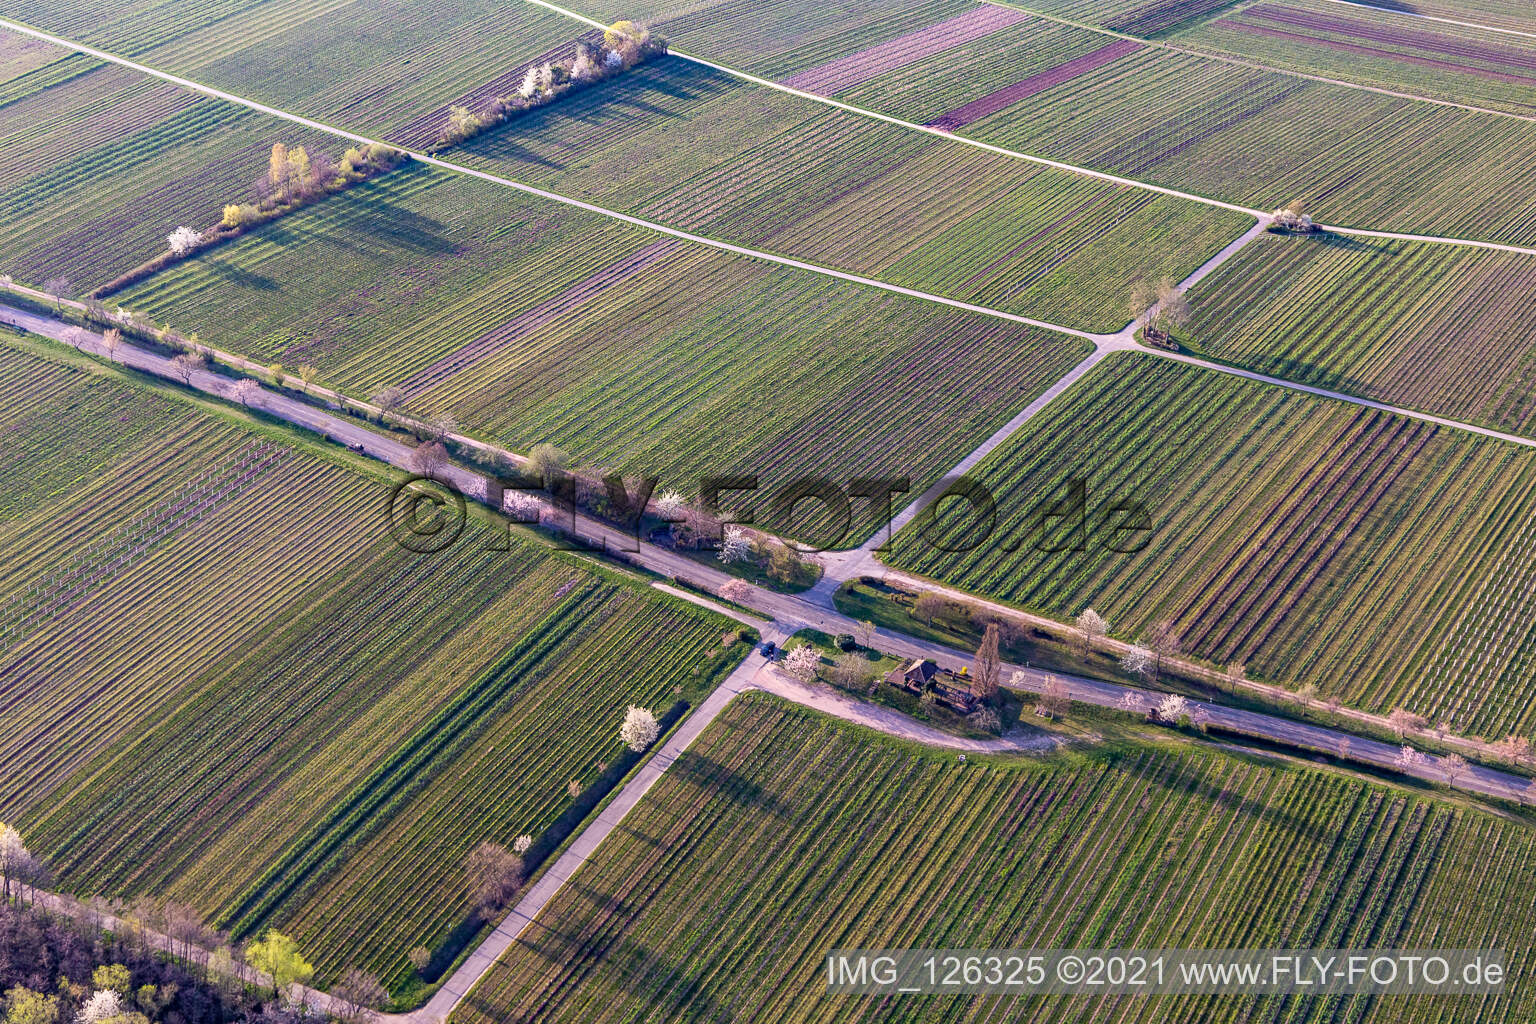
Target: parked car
{"type": "Point", "coordinates": [769, 649]}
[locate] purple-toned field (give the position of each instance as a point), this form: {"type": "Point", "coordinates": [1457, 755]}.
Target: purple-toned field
{"type": "Point", "coordinates": [856, 68]}
{"type": "Point", "coordinates": [1035, 84]}
{"type": "Point", "coordinates": [1483, 60]}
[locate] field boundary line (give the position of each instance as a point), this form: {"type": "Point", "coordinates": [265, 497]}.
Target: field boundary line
{"type": "Point", "coordinates": [1369, 403]}
{"type": "Point", "coordinates": [790, 614]}
{"type": "Point", "coordinates": [852, 563]}
{"type": "Point", "coordinates": [1256, 65]}
{"type": "Point", "coordinates": [521, 917]}
{"type": "Point", "coordinates": [1087, 171]}
{"type": "Point", "coordinates": [1436, 17]}
{"type": "Point", "coordinates": [924, 129]}
{"type": "Point", "coordinates": [556, 197]}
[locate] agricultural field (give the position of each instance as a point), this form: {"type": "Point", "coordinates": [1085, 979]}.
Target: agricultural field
{"type": "Point", "coordinates": [1313, 541]}
{"type": "Point", "coordinates": [780, 835]}
{"type": "Point", "coordinates": [101, 163]}
{"type": "Point", "coordinates": [390, 67]}
{"type": "Point", "coordinates": [532, 323]}
{"type": "Point", "coordinates": [1438, 328]}
{"type": "Point", "coordinates": [1146, 18]}
{"type": "Point", "coordinates": [366, 716]}
{"type": "Point", "coordinates": [1240, 134]}
{"type": "Point", "coordinates": [692, 148]}
{"type": "Point", "coordinates": [774, 38]}
{"type": "Point", "coordinates": [1463, 65]}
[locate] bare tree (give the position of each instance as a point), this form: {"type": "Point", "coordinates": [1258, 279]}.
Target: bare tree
{"type": "Point", "coordinates": [1164, 643]}
{"type": "Point", "coordinates": [428, 459]}
{"type": "Point", "coordinates": [928, 605]}
{"type": "Point", "coordinates": [61, 288]}
{"type": "Point", "coordinates": [390, 401]}
{"type": "Point", "coordinates": [187, 364]}
{"type": "Point", "coordinates": [1455, 767]}
{"type": "Point", "coordinates": [1054, 700]}
{"type": "Point", "coordinates": [420, 957]}
{"type": "Point", "coordinates": [1512, 749]}
{"type": "Point", "coordinates": [1140, 303]}
{"type": "Point", "coordinates": [1173, 312]}
{"type": "Point", "coordinates": [1402, 721]}
{"type": "Point", "coordinates": [360, 993]}
{"type": "Point", "coordinates": [864, 633]}
{"type": "Point", "coordinates": [852, 671]}
{"type": "Point", "coordinates": [494, 875]}
{"type": "Point", "coordinates": [440, 427]}
{"type": "Point", "coordinates": [111, 340]}
{"type": "Point", "coordinates": [989, 667]}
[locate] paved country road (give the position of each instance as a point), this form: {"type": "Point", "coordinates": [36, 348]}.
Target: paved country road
{"type": "Point", "coordinates": [788, 613]}
{"type": "Point", "coordinates": [812, 609]}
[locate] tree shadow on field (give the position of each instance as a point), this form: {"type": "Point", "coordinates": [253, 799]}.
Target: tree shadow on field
{"type": "Point", "coordinates": [627, 97]}
{"type": "Point", "coordinates": [725, 783]}
{"type": "Point", "coordinates": [671, 983]}
{"type": "Point", "coordinates": [1182, 780]}
{"type": "Point", "coordinates": [1300, 371]}
{"type": "Point", "coordinates": [1351, 243]}
{"type": "Point", "coordinates": [380, 219]}
{"type": "Point", "coordinates": [228, 273]}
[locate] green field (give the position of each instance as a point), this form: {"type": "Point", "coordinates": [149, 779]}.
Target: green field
{"type": "Point", "coordinates": [388, 66]}
{"type": "Point", "coordinates": [775, 38]}
{"type": "Point", "coordinates": [780, 836]}
{"type": "Point", "coordinates": [101, 163]}
{"type": "Point", "coordinates": [532, 323]}
{"type": "Point", "coordinates": [1378, 48]}
{"type": "Point", "coordinates": [691, 148]}
{"type": "Point", "coordinates": [1376, 557]}
{"type": "Point", "coordinates": [1240, 134]}
{"type": "Point", "coordinates": [228, 685]}
{"type": "Point", "coordinates": [1433, 327]}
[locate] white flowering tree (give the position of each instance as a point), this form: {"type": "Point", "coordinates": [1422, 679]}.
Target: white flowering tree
{"type": "Point", "coordinates": [103, 1004]}
{"type": "Point", "coordinates": [1172, 707]}
{"type": "Point", "coordinates": [246, 391]}
{"type": "Point", "coordinates": [614, 60]}
{"type": "Point", "coordinates": [669, 506]}
{"type": "Point", "coordinates": [183, 240]}
{"type": "Point", "coordinates": [16, 862]}
{"type": "Point", "coordinates": [1137, 661]}
{"type": "Point", "coordinates": [736, 545]}
{"type": "Point", "coordinates": [1407, 758]}
{"type": "Point", "coordinates": [524, 507]}
{"type": "Point", "coordinates": [739, 591]}
{"type": "Point", "coordinates": [521, 844]}
{"type": "Point", "coordinates": [639, 729]}
{"type": "Point", "coordinates": [1092, 626]}
{"type": "Point", "coordinates": [530, 84]}
{"type": "Point", "coordinates": [803, 662]}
